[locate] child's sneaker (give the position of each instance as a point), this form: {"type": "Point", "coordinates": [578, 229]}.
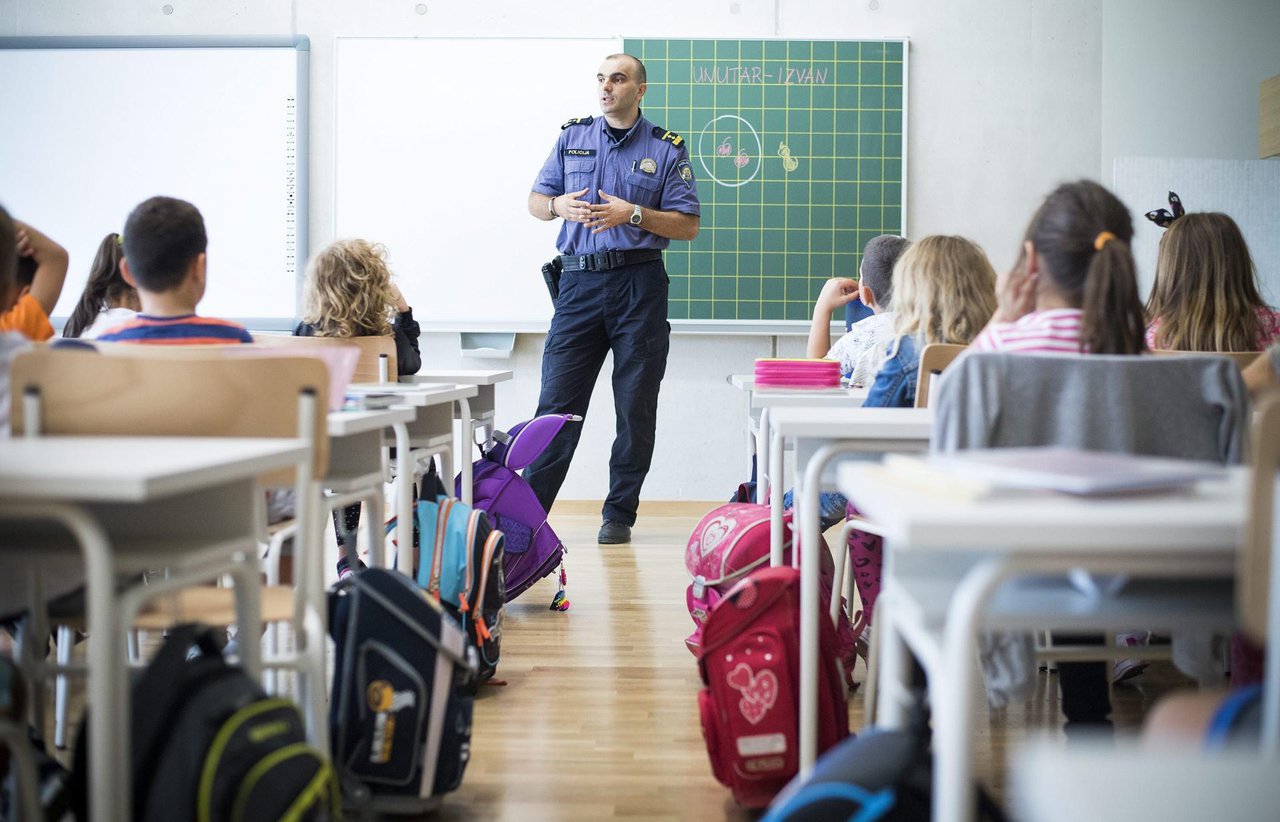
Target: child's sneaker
{"type": "Point", "coordinates": [1129, 667]}
{"type": "Point", "coordinates": [344, 567]}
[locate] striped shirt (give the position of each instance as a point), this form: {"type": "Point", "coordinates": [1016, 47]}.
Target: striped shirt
{"type": "Point", "coordinates": [185, 330]}
{"type": "Point", "coordinates": [1056, 330]}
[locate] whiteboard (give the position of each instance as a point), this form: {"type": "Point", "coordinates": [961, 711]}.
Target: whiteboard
{"type": "Point", "coordinates": [95, 126]}
{"type": "Point", "coordinates": [1246, 190]}
{"type": "Point", "coordinates": [438, 141]}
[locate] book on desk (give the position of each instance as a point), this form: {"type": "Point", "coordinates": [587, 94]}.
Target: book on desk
{"type": "Point", "coordinates": [979, 472]}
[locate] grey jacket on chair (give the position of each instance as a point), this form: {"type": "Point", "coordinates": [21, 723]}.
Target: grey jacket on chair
{"type": "Point", "coordinates": [1193, 407]}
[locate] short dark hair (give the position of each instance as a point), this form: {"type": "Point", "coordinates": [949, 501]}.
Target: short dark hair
{"type": "Point", "coordinates": [162, 236]}
{"type": "Point", "coordinates": [642, 76]}
{"type": "Point", "coordinates": [878, 259]}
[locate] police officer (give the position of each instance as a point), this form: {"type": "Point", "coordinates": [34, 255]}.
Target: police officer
{"type": "Point", "coordinates": [625, 189]}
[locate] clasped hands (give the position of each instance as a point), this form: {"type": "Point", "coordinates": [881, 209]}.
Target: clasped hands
{"type": "Point", "coordinates": [613, 212]}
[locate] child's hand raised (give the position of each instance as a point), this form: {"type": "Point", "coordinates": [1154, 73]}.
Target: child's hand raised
{"type": "Point", "coordinates": [397, 299]}
{"type": "Point", "coordinates": [837, 292]}
{"type": "Point", "coordinates": [1016, 290]}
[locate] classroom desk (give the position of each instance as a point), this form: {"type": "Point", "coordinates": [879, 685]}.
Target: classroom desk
{"type": "Point", "coordinates": [483, 406]}
{"type": "Point", "coordinates": [759, 403]}
{"type": "Point", "coordinates": [481, 416]}
{"type": "Point", "coordinates": [355, 465]}
{"type": "Point", "coordinates": [821, 434]}
{"type": "Point", "coordinates": [131, 504]}
{"type": "Point", "coordinates": [947, 560]}
{"type": "Point", "coordinates": [430, 433]}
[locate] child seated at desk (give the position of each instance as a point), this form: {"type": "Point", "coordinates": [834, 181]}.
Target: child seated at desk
{"type": "Point", "coordinates": [165, 260]}
{"type": "Point", "coordinates": [861, 351]}
{"type": "Point", "coordinates": [107, 300]}
{"type": "Point", "coordinates": [41, 268]}
{"type": "Point", "coordinates": [1206, 295]}
{"type": "Point", "coordinates": [349, 293]}
{"type": "Point", "coordinates": [944, 292]}
{"type": "Point", "coordinates": [1074, 290]}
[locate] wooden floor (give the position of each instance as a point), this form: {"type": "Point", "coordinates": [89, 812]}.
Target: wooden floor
{"type": "Point", "coordinates": [599, 718]}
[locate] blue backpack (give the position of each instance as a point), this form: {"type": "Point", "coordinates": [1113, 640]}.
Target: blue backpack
{"type": "Point", "coordinates": [460, 565]}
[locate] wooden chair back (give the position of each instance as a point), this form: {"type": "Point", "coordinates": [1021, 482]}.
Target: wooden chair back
{"type": "Point", "coordinates": [371, 349]}
{"type": "Point", "coordinates": [1254, 584]}
{"type": "Point", "coordinates": [933, 360]}
{"type": "Point", "coordinates": [1240, 358]}
{"type": "Point", "coordinates": [172, 391]}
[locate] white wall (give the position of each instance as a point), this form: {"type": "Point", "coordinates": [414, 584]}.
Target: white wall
{"type": "Point", "coordinates": [1180, 78]}
{"type": "Point", "coordinates": [1006, 99]}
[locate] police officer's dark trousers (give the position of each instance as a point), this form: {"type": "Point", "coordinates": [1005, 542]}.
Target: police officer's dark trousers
{"type": "Point", "coordinates": [623, 310]}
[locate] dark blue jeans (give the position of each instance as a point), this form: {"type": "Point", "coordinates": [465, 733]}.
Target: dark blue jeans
{"type": "Point", "coordinates": [624, 311]}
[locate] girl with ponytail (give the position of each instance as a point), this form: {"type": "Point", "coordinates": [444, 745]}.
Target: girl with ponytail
{"type": "Point", "coordinates": [107, 299]}
{"type": "Point", "coordinates": [1074, 290]}
{"type": "Point", "coordinates": [1075, 286]}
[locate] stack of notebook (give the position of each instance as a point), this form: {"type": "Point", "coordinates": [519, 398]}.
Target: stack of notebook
{"type": "Point", "coordinates": [782, 373]}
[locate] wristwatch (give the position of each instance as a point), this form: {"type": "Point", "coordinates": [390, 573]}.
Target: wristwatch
{"type": "Point", "coordinates": [635, 215]}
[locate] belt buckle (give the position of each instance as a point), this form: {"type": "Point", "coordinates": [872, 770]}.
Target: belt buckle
{"type": "Point", "coordinates": [600, 261]}
{"type": "Point", "coordinates": [617, 259]}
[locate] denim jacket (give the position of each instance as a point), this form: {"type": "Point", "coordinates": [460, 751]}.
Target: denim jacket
{"type": "Point", "coordinates": [895, 383]}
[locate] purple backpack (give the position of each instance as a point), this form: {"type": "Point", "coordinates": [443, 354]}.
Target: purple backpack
{"type": "Point", "coordinates": [532, 549]}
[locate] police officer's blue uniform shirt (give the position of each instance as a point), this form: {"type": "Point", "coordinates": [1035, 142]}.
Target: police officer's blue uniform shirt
{"type": "Point", "coordinates": [648, 167]}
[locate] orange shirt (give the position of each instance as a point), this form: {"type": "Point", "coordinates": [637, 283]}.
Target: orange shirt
{"type": "Point", "coordinates": [27, 317]}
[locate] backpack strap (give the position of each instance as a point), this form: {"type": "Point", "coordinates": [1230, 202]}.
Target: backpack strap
{"type": "Point", "coordinates": [162, 689]}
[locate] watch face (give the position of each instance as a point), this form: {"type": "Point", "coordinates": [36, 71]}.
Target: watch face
{"type": "Point", "coordinates": [635, 216]}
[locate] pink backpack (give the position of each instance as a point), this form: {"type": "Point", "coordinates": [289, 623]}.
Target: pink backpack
{"type": "Point", "coordinates": [750, 667]}
{"type": "Point", "coordinates": [728, 544]}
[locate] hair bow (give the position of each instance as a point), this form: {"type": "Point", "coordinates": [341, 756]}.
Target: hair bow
{"type": "Point", "coordinates": [1162, 217]}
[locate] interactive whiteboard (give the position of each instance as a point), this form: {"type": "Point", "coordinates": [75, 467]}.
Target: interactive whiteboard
{"type": "Point", "coordinates": [94, 126]}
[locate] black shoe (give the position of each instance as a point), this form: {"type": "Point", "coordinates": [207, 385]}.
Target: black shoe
{"type": "Point", "coordinates": [614, 533]}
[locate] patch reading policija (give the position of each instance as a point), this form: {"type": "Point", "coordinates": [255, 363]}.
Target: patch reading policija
{"type": "Point", "coordinates": [662, 134]}
{"type": "Point", "coordinates": [580, 152]}
{"type": "Point", "coordinates": [685, 171]}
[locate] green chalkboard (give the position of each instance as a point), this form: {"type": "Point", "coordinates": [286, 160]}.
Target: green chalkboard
{"type": "Point", "coordinates": [797, 146]}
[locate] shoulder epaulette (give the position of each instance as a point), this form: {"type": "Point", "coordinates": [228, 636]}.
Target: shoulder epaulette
{"type": "Point", "coordinates": [670, 136]}
{"type": "Point", "coordinates": [578, 121]}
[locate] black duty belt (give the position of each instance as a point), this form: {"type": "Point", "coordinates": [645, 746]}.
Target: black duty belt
{"type": "Point", "coordinates": [605, 260]}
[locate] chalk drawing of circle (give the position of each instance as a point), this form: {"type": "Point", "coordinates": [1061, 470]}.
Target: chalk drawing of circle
{"type": "Point", "coordinates": [702, 154]}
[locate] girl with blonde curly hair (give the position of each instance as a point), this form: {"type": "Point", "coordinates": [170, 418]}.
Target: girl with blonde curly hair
{"type": "Point", "coordinates": [349, 293]}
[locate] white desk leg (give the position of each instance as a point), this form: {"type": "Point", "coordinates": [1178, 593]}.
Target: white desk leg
{"type": "Point", "coordinates": [110, 792]}
{"type": "Point", "coordinates": [892, 668]}
{"type": "Point", "coordinates": [776, 535]}
{"type": "Point", "coordinates": [464, 449]}
{"type": "Point", "coordinates": [764, 467]}
{"type": "Point", "coordinates": [951, 691]}
{"type": "Point", "coordinates": [807, 505]}
{"type": "Point", "coordinates": [404, 500]}
{"type": "Point", "coordinates": [809, 494]}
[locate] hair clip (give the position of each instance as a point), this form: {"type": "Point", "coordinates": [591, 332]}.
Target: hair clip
{"type": "Point", "coordinates": [1162, 217]}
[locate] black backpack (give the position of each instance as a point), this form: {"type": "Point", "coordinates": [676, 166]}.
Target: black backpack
{"type": "Point", "coordinates": [400, 710]}
{"type": "Point", "coordinates": [209, 744]}
{"type": "Point", "coordinates": [881, 775]}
